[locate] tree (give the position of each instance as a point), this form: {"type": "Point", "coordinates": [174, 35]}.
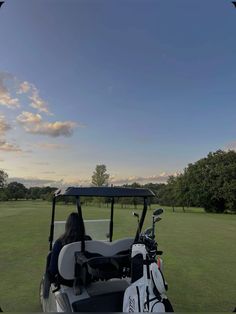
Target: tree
{"type": "Point", "coordinates": [100, 176]}
{"type": "Point", "coordinates": [3, 178]}
{"type": "Point", "coordinates": [34, 193]}
{"type": "Point", "coordinates": [212, 181]}
{"type": "Point", "coordinates": [3, 195]}
{"type": "Point", "coordinates": [16, 190]}
{"type": "Point", "coordinates": [209, 183]}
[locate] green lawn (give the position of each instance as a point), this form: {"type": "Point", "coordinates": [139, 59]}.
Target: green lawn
{"type": "Point", "coordinates": [199, 254]}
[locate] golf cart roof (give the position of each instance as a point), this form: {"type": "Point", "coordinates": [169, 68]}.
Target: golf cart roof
{"type": "Point", "coordinates": [104, 192]}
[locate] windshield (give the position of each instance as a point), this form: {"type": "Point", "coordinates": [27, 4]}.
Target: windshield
{"type": "Point", "coordinates": [97, 229]}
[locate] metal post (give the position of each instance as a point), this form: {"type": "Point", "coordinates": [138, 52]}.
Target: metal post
{"type": "Point", "coordinates": [78, 205]}
{"type": "Point", "coordinates": [145, 206]}
{"type": "Point", "coordinates": [111, 221]}
{"type": "Point", "coordinates": [52, 223]}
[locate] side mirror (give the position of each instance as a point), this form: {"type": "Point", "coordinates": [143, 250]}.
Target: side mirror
{"type": "Point", "coordinates": [158, 212]}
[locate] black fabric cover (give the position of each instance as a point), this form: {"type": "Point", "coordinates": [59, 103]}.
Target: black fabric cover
{"type": "Point", "coordinates": [111, 302]}
{"type": "Point", "coordinates": [105, 296]}
{"type": "Point", "coordinates": [92, 267]}
{"type": "Point", "coordinates": [136, 267]}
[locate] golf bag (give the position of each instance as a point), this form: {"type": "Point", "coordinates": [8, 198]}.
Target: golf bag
{"type": "Point", "coordinates": [148, 287]}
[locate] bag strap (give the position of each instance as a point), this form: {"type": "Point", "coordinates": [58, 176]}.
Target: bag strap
{"type": "Point", "coordinates": [155, 290]}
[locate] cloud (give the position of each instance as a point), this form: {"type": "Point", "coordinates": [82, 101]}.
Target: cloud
{"type": "Point", "coordinates": [42, 163]}
{"type": "Point", "coordinates": [51, 146]}
{"type": "Point", "coordinates": [33, 94]}
{"type": "Point", "coordinates": [35, 181]}
{"type": "Point", "coordinates": [28, 117]}
{"type": "Point", "coordinates": [159, 178]}
{"type": "Point", "coordinates": [33, 124]}
{"type": "Point", "coordinates": [30, 182]}
{"type": "Point", "coordinates": [7, 147]}
{"type": "Point", "coordinates": [37, 102]}
{"type": "Point", "coordinates": [24, 87]}
{"type": "Point", "coordinates": [4, 126]}
{"type": "Point", "coordinates": [5, 97]}
{"type": "Point", "coordinates": [53, 129]}
{"type": "Point", "coordinates": [231, 146]}
{"type": "Point", "coordinates": [21, 88]}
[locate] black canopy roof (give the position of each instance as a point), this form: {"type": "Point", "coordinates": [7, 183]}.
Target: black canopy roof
{"type": "Point", "coordinates": [104, 192]}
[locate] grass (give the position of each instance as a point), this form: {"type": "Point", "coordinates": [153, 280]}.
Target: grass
{"type": "Point", "coordinates": [199, 254]}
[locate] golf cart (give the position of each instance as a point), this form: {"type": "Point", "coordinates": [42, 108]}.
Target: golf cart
{"type": "Point", "coordinates": [100, 269]}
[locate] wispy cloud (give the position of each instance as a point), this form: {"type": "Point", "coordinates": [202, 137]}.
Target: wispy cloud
{"type": "Point", "coordinates": [7, 147]}
{"type": "Point", "coordinates": [4, 126]}
{"type": "Point", "coordinates": [33, 124]}
{"type": "Point", "coordinates": [37, 102]}
{"type": "Point", "coordinates": [30, 182]}
{"type": "Point", "coordinates": [231, 146]}
{"type": "Point", "coordinates": [33, 94]}
{"type": "Point", "coordinates": [24, 87]}
{"type": "Point", "coordinates": [35, 181]}
{"type": "Point", "coordinates": [159, 178]}
{"type": "Point", "coordinates": [6, 99]}
{"type": "Point", "coordinates": [50, 146]}
{"type": "Point", "coordinates": [41, 163]}
{"type": "Point", "coordinates": [53, 129]}
{"type": "Point", "coordinates": [28, 117]}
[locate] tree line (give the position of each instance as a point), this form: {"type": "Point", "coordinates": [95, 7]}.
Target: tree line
{"type": "Point", "coordinates": [209, 183]}
{"type": "Point", "coordinates": [15, 191]}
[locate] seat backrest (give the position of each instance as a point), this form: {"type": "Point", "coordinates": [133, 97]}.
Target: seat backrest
{"type": "Point", "coordinates": [66, 260]}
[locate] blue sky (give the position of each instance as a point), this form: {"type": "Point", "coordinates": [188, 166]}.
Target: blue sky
{"type": "Point", "coordinates": [145, 87]}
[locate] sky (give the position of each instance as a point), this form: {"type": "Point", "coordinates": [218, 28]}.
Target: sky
{"type": "Point", "coordinates": [143, 86]}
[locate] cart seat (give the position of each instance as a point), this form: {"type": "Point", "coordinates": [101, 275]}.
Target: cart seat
{"type": "Point", "coordinates": [66, 260]}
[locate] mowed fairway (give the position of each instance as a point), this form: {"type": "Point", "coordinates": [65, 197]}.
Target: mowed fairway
{"type": "Point", "coordinates": [199, 254]}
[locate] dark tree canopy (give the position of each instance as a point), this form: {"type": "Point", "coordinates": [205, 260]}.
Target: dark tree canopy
{"type": "Point", "coordinates": [3, 178]}
{"type": "Point", "coordinates": [16, 190]}
{"type": "Point", "coordinates": [209, 183]}
{"type": "Point", "coordinates": [100, 176]}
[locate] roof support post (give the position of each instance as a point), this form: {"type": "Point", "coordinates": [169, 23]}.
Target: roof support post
{"type": "Point", "coordinates": [111, 220]}
{"type": "Point", "coordinates": [78, 205]}
{"type": "Point", "coordinates": [52, 223]}
{"type": "Point", "coordinates": [145, 206]}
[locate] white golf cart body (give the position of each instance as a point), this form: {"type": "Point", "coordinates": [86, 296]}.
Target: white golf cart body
{"type": "Point", "coordinates": [100, 295]}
